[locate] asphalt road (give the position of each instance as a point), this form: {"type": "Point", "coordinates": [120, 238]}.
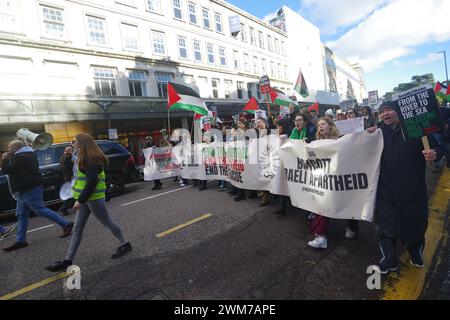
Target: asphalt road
{"type": "Point", "coordinates": [240, 251]}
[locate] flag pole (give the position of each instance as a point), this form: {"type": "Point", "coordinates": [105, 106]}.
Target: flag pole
{"type": "Point", "coordinates": [268, 105]}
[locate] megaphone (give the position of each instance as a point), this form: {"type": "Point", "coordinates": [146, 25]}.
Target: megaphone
{"type": "Point", "coordinates": [39, 141]}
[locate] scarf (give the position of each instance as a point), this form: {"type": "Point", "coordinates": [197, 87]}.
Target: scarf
{"type": "Point", "coordinates": [298, 135]}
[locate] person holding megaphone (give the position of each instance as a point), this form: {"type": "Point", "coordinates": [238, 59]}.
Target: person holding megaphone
{"type": "Point", "coordinates": [21, 164]}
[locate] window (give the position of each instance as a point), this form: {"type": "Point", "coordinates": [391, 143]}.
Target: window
{"type": "Point", "coordinates": [218, 18]}
{"type": "Point", "coordinates": [228, 88]}
{"type": "Point", "coordinates": [97, 30]}
{"type": "Point", "coordinates": [285, 71]}
{"type": "Point", "coordinates": [240, 90]}
{"type": "Point", "coordinates": [197, 51]}
{"type": "Point", "coordinates": [277, 46]}
{"type": "Point", "coordinates": [206, 22]}
{"type": "Point", "coordinates": [243, 33]}
{"type": "Point", "coordinates": [223, 57]}
{"type": "Point", "coordinates": [249, 90]}
{"type": "Point", "coordinates": [154, 6]}
{"type": "Point", "coordinates": [192, 13]}
{"type": "Point", "coordinates": [269, 43]}
{"type": "Point", "coordinates": [252, 36]}
{"type": "Point", "coordinates": [215, 87]}
{"type": "Point", "coordinates": [210, 50]}
{"type": "Point", "coordinates": [246, 63]}
{"type": "Point", "coordinates": [203, 86]}
{"type": "Point", "coordinates": [177, 13]}
{"type": "Point", "coordinates": [161, 81]}
{"type": "Point", "coordinates": [255, 65]}
{"type": "Point", "coordinates": [283, 49]}
{"type": "Point", "coordinates": [53, 20]}
{"type": "Point", "coordinates": [137, 82]}
{"type": "Point", "coordinates": [258, 91]}
{"type": "Point", "coordinates": [130, 37]}
{"type": "Point", "coordinates": [272, 69]}
{"type": "Point", "coordinates": [159, 42]}
{"type": "Point", "coordinates": [182, 48]}
{"type": "Point", "coordinates": [188, 79]}
{"type": "Point", "coordinates": [8, 15]}
{"type": "Point", "coordinates": [280, 74]}
{"type": "Point", "coordinates": [105, 81]}
{"type": "Point", "coordinates": [261, 39]}
{"type": "Point", "coordinates": [236, 60]}
{"type": "Point", "coordinates": [264, 66]}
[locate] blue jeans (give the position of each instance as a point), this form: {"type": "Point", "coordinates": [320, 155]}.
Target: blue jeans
{"type": "Point", "coordinates": [2, 229]}
{"type": "Point", "coordinates": [32, 201]}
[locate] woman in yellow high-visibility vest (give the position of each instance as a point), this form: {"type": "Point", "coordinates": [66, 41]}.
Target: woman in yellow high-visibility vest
{"type": "Point", "coordinates": [89, 187]}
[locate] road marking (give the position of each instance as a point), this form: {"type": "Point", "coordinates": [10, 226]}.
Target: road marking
{"type": "Point", "coordinates": [411, 281]}
{"type": "Point", "coordinates": [35, 286]}
{"type": "Point", "coordinates": [184, 225]}
{"type": "Point", "coordinates": [155, 196]}
{"type": "Point", "coordinates": [33, 230]}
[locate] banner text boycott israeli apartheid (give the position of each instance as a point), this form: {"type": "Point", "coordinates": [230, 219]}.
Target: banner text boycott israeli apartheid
{"type": "Point", "coordinates": [335, 178]}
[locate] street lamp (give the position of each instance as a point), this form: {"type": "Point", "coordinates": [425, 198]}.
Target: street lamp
{"type": "Point", "coordinates": [445, 61]}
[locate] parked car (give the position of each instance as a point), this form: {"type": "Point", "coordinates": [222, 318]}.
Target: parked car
{"type": "Point", "coordinates": [121, 170]}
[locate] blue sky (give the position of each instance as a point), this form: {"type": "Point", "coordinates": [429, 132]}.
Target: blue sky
{"type": "Point", "coordinates": [392, 39]}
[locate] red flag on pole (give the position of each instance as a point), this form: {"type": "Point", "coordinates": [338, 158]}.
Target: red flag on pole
{"type": "Point", "coordinates": [314, 107]}
{"type": "Point", "coordinates": [251, 106]}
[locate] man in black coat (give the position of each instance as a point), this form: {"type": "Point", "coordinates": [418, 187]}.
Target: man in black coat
{"type": "Point", "coordinates": [22, 166]}
{"type": "Point", "coordinates": [402, 203]}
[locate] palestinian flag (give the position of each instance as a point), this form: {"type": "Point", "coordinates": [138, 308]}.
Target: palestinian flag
{"type": "Point", "coordinates": [314, 107]}
{"type": "Point", "coordinates": [279, 98]}
{"type": "Point", "coordinates": [300, 85]}
{"type": "Point", "coordinates": [251, 106]}
{"type": "Point", "coordinates": [442, 90]}
{"type": "Point", "coordinates": [183, 97]}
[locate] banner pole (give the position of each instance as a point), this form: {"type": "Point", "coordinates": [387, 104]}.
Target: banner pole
{"type": "Point", "coordinates": [426, 146]}
{"type": "Point", "coordinates": [268, 105]}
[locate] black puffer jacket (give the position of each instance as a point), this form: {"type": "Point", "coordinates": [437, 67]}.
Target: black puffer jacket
{"type": "Point", "coordinates": [23, 170]}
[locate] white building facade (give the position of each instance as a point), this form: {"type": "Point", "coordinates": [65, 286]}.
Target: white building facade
{"type": "Point", "coordinates": [330, 79]}
{"type": "Point", "coordinates": [66, 61]}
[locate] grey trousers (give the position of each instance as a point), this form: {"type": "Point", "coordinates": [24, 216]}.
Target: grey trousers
{"type": "Point", "coordinates": [99, 210]}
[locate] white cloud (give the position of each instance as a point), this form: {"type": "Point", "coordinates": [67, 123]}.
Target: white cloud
{"type": "Point", "coordinates": [331, 15]}
{"type": "Point", "coordinates": [395, 31]}
{"type": "Point", "coordinates": [431, 57]}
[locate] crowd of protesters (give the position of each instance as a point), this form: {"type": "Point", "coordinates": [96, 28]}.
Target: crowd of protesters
{"type": "Point", "coordinates": [401, 205]}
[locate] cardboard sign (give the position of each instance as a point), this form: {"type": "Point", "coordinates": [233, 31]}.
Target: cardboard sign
{"type": "Point", "coordinates": [418, 112]}
{"type": "Point", "coordinates": [264, 84]}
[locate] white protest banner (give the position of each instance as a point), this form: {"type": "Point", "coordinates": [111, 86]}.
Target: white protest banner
{"type": "Point", "coordinates": [279, 184]}
{"type": "Point", "coordinates": [160, 163]}
{"type": "Point", "coordinates": [334, 178]}
{"type": "Point", "coordinates": [214, 161]}
{"type": "Point", "coordinates": [350, 125]}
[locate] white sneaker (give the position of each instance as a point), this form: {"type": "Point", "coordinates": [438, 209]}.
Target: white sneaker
{"type": "Point", "coordinates": [320, 242]}
{"type": "Point", "coordinates": [349, 233]}
{"type": "Point", "coordinates": [182, 185]}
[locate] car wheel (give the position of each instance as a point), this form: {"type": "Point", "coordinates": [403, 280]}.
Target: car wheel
{"type": "Point", "coordinates": [115, 184]}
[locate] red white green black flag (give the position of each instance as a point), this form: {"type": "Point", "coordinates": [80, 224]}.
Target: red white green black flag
{"type": "Point", "coordinates": [183, 97]}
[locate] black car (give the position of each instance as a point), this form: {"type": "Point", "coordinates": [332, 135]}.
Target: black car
{"type": "Point", "coordinates": [121, 170]}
